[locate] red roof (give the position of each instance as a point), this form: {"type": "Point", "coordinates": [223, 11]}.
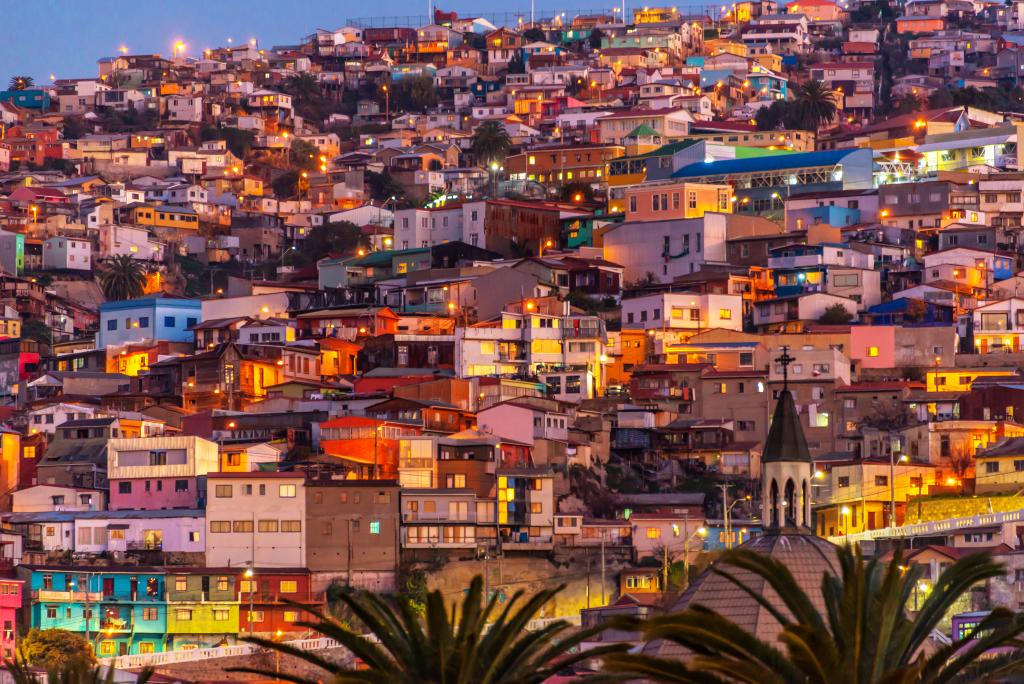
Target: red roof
{"type": "Point", "coordinates": [843, 65]}
{"type": "Point", "coordinates": [633, 113]}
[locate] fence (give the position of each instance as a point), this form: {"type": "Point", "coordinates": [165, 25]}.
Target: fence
{"type": "Point", "coordinates": [935, 528]}
{"type": "Point", "coordinates": [129, 662]}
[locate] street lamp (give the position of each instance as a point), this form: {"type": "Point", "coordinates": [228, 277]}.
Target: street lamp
{"type": "Point", "coordinates": [387, 103]}
{"type": "Point", "coordinates": [249, 573]}
{"type": "Point", "coordinates": [179, 46]}
{"type": "Point", "coordinates": [701, 532]}
{"type": "Point", "coordinates": [892, 485]}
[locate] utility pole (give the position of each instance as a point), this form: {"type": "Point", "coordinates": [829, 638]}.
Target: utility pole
{"type": "Point", "coordinates": [603, 603]}
{"type": "Point", "coordinates": [725, 515]}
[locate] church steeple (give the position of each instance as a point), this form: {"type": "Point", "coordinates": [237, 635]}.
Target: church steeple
{"type": "Point", "coordinates": [785, 462]}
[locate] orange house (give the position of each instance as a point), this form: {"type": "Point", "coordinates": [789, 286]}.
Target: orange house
{"type": "Point", "coordinates": [675, 200]}
{"type": "Point", "coordinates": [365, 444]}
{"type": "Point", "coordinates": [920, 24]}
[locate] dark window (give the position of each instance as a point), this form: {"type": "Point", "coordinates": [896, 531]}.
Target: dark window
{"type": "Point", "coordinates": [169, 321]}
{"type": "Point", "coordinates": [124, 487]}
{"type": "Point", "coordinates": [112, 324]}
{"type": "Point", "coordinates": [181, 485]}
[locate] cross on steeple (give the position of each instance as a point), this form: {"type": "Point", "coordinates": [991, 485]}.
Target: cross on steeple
{"type": "Point", "coordinates": [785, 360]}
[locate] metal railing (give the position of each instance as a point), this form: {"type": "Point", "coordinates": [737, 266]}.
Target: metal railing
{"type": "Point", "coordinates": [933, 528]}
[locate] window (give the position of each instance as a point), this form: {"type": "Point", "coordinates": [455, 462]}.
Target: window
{"type": "Point", "coordinates": [144, 321]}
{"type": "Point", "coordinates": [222, 491]}
{"type": "Point", "coordinates": [268, 526]}
{"type": "Point", "coordinates": [375, 527]}
{"type": "Point", "coordinates": [221, 614]}
{"type": "Point", "coordinates": [180, 583]}
{"type": "Point", "coordinates": [843, 481]}
{"type": "Point", "coordinates": [112, 325]}
{"type": "Point", "coordinates": [725, 314]}
{"type": "Point", "coordinates": [169, 321]}
{"type": "Point", "coordinates": [51, 612]}
{"type": "Point", "coordinates": [291, 526]}
{"type": "Point", "coordinates": [992, 467]}
{"type": "Point", "coordinates": [455, 481]}
{"type": "Point", "coordinates": [183, 615]}
{"type": "Point", "coordinates": [124, 487]}
{"type": "Point", "coordinates": [654, 533]}
{"type": "Point", "coordinates": [243, 526]}
{"type": "Point", "coordinates": [181, 485]}
{"type": "Point", "coordinates": [220, 526]}
{"type": "Point", "coordinates": [291, 616]}
{"type": "Point", "coordinates": [286, 491]}
{"type": "Point", "coordinates": [149, 614]}
{"type": "Point", "coordinates": [872, 351]}
{"type": "Point", "coordinates": [881, 480]}
{"type": "Point", "coordinates": [289, 586]}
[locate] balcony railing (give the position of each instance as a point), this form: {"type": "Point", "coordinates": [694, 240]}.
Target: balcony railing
{"type": "Point", "coordinates": [71, 596]}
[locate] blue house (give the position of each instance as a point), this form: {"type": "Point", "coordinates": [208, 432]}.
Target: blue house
{"type": "Point", "coordinates": [28, 99]}
{"type": "Point", "coordinates": [121, 612]}
{"type": "Point", "coordinates": [155, 317]}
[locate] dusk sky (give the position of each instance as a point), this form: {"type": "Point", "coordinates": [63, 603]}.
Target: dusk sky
{"type": "Point", "coordinates": [66, 37]}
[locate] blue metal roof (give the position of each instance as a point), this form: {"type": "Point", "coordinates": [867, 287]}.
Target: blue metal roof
{"type": "Point", "coordinates": [775, 162]}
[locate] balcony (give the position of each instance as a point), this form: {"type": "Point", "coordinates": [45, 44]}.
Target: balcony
{"type": "Point", "coordinates": [67, 596]}
{"type": "Point", "coordinates": [443, 517]}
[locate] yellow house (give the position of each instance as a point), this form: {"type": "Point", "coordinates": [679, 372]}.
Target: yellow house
{"type": "Point", "coordinates": [855, 496]}
{"type": "Point", "coordinates": [166, 217]}
{"type": "Point", "coordinates": [245, 458]}
{"type": "Point", "coordinates": [10, 457]}
{"type": "Point", "coordinates": [721, 46]}
{"type": "Point", "coordinates": [655, 15]}
{"type": "Point", "coordinates": [771, 61]}
{"type": "Point", "coordinates": [960, 379]}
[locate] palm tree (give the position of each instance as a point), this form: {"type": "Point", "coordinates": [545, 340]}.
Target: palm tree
{"type": "Point", "coordinates": [441, 646]}
{"type": "Point", "coordinates": [77, 672]}
{"type": "Point", "coordinates": [491, 143]}
{"type": "Point", "coordinates": [20, 83]}
{"type": "Point", "coordinates": [816, 104]}
{"type": "Point", "coordinates": [865, 636]}
{"type": "Point", "coordinates": [123, 277]}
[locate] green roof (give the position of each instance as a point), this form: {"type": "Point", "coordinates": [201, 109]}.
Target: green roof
{"type": "Point", "coordinates": [665, 150]}
{"type": "Point", "coordinates": [384, 258]}
{"type": "Point", "coordinates": [643, 131]}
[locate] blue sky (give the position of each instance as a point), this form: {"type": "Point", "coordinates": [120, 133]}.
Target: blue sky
{"type": "Point", "coordinates": [66, 37]}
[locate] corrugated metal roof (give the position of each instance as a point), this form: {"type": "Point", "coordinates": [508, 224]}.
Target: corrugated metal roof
{"type": "Point", "coordinates": [776, 162]}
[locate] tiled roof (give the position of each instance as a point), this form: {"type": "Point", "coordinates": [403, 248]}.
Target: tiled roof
{"type": "Point", "coordinates": [807, 557]}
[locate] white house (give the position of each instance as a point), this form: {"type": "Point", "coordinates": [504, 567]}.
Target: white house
{"type": "Point", "coordinates": [683, 310]}
{"type": "Point", "coordinates": [67, 253]}
{"type": "Point", "coordinates": [272, 506]}
{"type": "Point", "coordinates": [185, 108]}
{"type": "Point", "coordinates": [666, 249]}
{"type": "Point", "coordinates": [47, 418]}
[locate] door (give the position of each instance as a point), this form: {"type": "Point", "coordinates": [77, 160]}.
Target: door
{"type": "Point", "coordinates": [108, 586]}
{"type": "Point", "coordinates": [122, 648]}
{"type": "Point", "coordinates": [133, 587]}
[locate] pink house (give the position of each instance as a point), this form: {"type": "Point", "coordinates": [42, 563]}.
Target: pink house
{"type": "Point", "coordinates": [873, 346]}
{"type": "Point", "coordinates": [151, 473]}
{"type": "Point", "coordinates": [10, 604]}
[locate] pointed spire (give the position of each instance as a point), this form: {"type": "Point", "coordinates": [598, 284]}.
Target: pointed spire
{"type": "Point", "coordinates": [786, 440]}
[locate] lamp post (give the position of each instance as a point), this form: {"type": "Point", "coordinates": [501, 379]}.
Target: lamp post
{"type": "Point", "coordinates": [845, 511]}
{"type": "Point", "coordinates": [249, 574]}
{"type": "Point", "coordinates": [892, 485]}
{"type": "Point", "coordinates": [387, 103]}
{"type": "Point", "coordinates": [699, 532]}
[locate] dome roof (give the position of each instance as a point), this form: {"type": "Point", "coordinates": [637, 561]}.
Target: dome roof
{"type": "Point", "coordinates": [807, 556]}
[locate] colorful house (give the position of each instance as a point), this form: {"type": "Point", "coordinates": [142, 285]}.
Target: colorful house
{"type": "Point", "coordinates": [202, 608]}
{"type": "Point", "coordinates": [120, 612]}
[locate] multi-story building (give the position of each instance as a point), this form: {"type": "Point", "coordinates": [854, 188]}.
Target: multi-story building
{"type": "Point", "coordinates": [159, 472]}
{"type": "Point", "coordinates": [352, 527]}
{"type": "Point", "coordinates": [256, 519]}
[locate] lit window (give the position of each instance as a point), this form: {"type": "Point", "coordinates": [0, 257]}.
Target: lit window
{"type": "Point", "coordinates": [725, 314]}
{"type": "Point", "coordinates": [872, 351]}
{"type": "Point", "coordinates": [654, 533]}
{"type": "Point", "coordinates": [375, 527]}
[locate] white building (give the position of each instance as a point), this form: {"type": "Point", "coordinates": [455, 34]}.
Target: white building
{"type": "Point", "coordinates": [255, 518]}
{"type": "Point", "coordinates": [427, 227]}
{"type": "Point", "coordinates": [184, 108]}
{"type": "Point", "coordinates": [666, 249]}
{"type": "Point", "coordinates": [118, 240]}
{"type": "Point", "coordinates": [683, 310]}
{"type": "Point", "coordinates": [47, 418]}
{"type": "Point", "coordinates": [67, 253]}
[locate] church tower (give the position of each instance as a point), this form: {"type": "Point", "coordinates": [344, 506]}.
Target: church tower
{"type": "Point", "coordinates": [785, 464]}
